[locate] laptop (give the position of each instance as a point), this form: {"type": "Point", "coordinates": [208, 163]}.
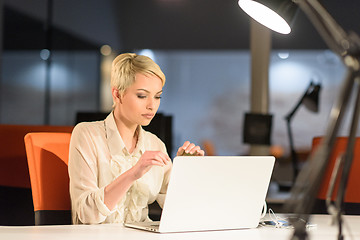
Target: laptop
{"type": "Point", "coordinates": [213, 193]}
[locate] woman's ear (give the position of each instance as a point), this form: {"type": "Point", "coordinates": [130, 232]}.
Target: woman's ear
{"type": "Point", "coordinates": [116, 95]}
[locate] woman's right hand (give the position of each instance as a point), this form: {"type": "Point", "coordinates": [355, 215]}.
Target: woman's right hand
{"type": "Point", "coordinates": [149, 159]}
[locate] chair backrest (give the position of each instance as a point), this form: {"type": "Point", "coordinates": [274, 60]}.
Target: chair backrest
{"type": "Point", "coordinates": [353, 191]}
{"type": "Point", "coordinates": [352, 194]}
{"type": "Point", "coordinates": [14, 170]}
{"type": "Point", "coordinates": [47, 154]}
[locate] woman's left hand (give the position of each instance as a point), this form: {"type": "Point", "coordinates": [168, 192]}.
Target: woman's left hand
{"type": "Point", "coordinates": [190, 149]}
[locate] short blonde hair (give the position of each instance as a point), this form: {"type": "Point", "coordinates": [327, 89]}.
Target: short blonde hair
{"type": "Point", "coordinates": [127, 65]}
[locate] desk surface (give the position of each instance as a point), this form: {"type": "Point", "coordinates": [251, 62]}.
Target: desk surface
{"type": "Point", "coordinates": [322, 230]}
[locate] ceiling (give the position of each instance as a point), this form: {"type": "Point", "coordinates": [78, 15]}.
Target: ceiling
{"type": "Point", "coordinates": [22, 32]}
{"type": "Point", "coordinates": [163, 24]}
{"type": "Point", "coordinates": [215, 24]}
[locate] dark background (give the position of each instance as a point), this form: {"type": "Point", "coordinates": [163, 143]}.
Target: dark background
{"type": "Point", "coordinates": [155, 24]}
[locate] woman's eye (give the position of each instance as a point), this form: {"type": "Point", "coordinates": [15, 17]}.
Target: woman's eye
{"type": "Point", "coordinates": [157, 97]}
{"type": "Point", "coordinates": [141, 96]}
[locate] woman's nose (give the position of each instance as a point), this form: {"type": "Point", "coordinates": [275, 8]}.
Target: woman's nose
{"type": "Point", "coordinates": [150, 104]}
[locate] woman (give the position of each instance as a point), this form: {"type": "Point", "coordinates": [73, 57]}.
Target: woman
{"type": "Point", "coordinates": [116, 168]}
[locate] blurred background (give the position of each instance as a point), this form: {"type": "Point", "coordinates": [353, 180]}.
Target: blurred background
{"type": "Point", "coordinates": [201, 45]}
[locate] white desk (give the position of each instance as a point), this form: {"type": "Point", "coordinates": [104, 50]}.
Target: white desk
{"type": "Point", "coordinates": [323, 231]}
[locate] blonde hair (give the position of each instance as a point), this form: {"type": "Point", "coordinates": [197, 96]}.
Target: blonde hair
{"type": "Point", "coordinates": [127, 65]}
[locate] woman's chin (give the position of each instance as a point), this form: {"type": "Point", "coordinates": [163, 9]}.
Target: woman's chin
{"type": "Point", "coordinates": [145, 123]}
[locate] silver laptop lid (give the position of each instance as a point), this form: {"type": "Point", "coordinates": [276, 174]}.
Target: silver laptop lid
{"type": "Point", "coordinates": [216, 193]}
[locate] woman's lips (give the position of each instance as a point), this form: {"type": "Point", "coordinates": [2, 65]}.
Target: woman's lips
{"type": "Point", "coordinates": [148, 116]}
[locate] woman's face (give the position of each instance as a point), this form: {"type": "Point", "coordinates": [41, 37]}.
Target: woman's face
{"type": "Point", "coordinates": [141, 100]}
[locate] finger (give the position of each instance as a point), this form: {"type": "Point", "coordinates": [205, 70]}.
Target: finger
{"type": "Point", "coordinates": [153, 161]}
{"type": "Point", "coordinates": [185, 148]}
{"type": "Point", "coordinates": [195, 149]}
{"type": "Point", "coordinates": [158, 153]}
{"type": "Point", "coordinates": [180, 151]}
{"type": "Point", "coordinates": [185, 145]}
{"type": "Point", "coordinates": [165, 158]}
{"type": "Point", "coordinates": [189, 148]}
{"type": "Point", "coordinates": [156, 162]}
{"type": "Point", "coordinates": [200, 153]}
{"type": "Point", "coordinates": [155, 158]}
{"type": "Point", "coordinates": [161, 157]}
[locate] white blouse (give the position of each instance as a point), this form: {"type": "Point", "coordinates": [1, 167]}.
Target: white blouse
{"type": "Point", "coordinates": [97, 156]}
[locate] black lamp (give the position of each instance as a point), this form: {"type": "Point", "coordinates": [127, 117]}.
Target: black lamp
{"type": "Point", "coordinates": [310, 100]}
{"type": "Point", "coordinates": [347, 47]}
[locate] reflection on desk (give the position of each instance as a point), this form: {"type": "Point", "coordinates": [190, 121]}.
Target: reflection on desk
{"type": "Point", "coordinates": [322, 231]}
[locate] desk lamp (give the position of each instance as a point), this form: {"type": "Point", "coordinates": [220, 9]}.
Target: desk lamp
{"type": "Point", "coordinates": [347, 46]}
{"type": "Point", "coordinates": [310, 100]}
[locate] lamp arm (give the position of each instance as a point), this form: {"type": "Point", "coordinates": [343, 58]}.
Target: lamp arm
{"type": "Point", "coordinates": [289, 116]}
{"type": "Point", "coordinates": [331, 32]}
{"type": "Point", "coordinates": [294, 158]}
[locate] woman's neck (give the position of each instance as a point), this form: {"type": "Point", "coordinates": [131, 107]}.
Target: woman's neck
{"type": "Point", "coordinates": [128, 133]}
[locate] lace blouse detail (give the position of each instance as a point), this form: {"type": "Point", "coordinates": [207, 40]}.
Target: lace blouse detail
{"type": "Point", "coordinates": [132, 206]}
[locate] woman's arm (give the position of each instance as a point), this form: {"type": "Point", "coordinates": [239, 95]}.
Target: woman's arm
{"type": "Point", "coordinates": [87, 198]}
{"type": "Point", "coordinates": [118, 188]}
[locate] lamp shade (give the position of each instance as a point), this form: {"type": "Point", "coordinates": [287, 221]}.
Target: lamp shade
{"type": "Point", "coordinates": [277, 15]}
{"type": "Point", "coordinates": [311, 99]}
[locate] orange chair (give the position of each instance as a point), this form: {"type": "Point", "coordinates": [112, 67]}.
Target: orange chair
{"type": "Point", "coordinates": [47, 154]}
{"type": "Point", "coordinates": [352, 194]}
